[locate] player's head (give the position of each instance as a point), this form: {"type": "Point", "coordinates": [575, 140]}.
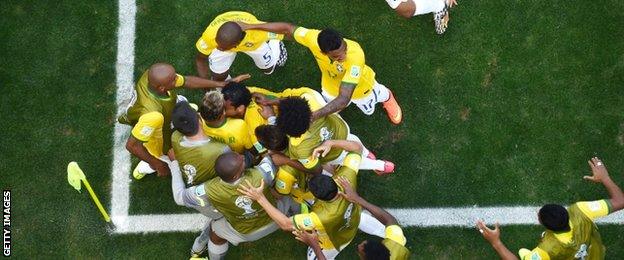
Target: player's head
{"type": "Point", "coordinates": [323, 187]}
{"type": "Point", "coordinates": [229, 35]}
{"type": "Point", "coordinates": [212, 107]}
{"type": "Point", "coordinates": [230, 166]}
{"type": "Point", "coordinates": [161, 77]}
{"type": "Point", "coordinates": [184, 119]}
{"type": "Point", "coordinates": [237, 97]}
{"type": "Point", "coordinates": [294, 116]}
{"type": "Point", "coordinates": [332, 44]}
{"type": "Point", "coordinates": [554, 217]}
{"type": "Point", "coordinates": [271, 137]}
{"type": "Point", "coordinates": [373, 249]}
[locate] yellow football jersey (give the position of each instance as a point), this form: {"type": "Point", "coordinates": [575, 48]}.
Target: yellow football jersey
{"type": "Point", "coordinates": [233, 132]}
{"type": "Point", "coordinates": [253, 38]}
{"type": "Point", "coordinates": [353, 70]}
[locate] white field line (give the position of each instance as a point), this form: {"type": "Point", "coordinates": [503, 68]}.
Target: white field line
{"type": "Point", "coordinates": [120, 193]}
{"type": "Point", "coordinates": [463, 217]}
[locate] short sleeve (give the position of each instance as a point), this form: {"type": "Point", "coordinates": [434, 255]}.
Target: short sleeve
{"type": "Point", "coordinates": [594, 209]}
{"type": "Point", "coordinates": [535, 254]}
{"type": "Point", "coordinates": [306, 37]}
{"type": "Point", "coordinates": [307, 221]}
{"type": "Point", "coordinates": [147, 124]}
{"type": "Point", "coordinates": [203, 46]}
{"type": "Point", "coordinates": [179, 82]}
{"type": "Point", "coordinates": [395, 233]}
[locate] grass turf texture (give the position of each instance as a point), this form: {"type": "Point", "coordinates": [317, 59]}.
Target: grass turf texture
{"type": "Point", "coordinates": [504, 109]}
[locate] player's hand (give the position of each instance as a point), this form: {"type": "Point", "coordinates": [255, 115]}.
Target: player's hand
{"type": "Point", "coordinates": [240, 78]}
{"type": "Point", "coordinates": [347, 190]}
{"type": "Point", "coordinates": [323, 149]}
{"type": "Point", "coordinates": [254, 193]}
{"type": "Point", "coordinates": [171, 155]}
{"type": "Point", "coordinates": [162, 168]}
{"type": "Point", "coordinates": [599, 170]}
{"type": "Point", "coordinates": [266, 111]}
{"type": "Point", "coordinates": [451, 3]}
{"type": "Point", "coordinates": [309, 238]}
{"type": "Point", "coordinates": [491, 235]}
{"type": "Point", "coordinates": [279, 159]}
{"type": "Point", "coordinates": [243, 26]}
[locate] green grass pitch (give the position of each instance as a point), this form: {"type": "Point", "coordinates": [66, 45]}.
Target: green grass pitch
{"type": "Point", "coordinates": [504, 109]}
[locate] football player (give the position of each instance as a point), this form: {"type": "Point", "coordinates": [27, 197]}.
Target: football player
{"type": "Point", "coordinates": [223, 38]}
{"type": "Point", "coordinates": [439, 8]}
{"type": "Point", "coordinates": [335, 219]}
{"type": "Point", "coordinates": [149, 114]}
{"type": "Point", "coordinates": [345, 77]}
{"type": "Point", "coordinates": [570, 233]}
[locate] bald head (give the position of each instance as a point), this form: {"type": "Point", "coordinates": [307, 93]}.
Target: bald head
{"type": "Point", "coordinates": [229, 166]}
{"type": "Point", "coordinates": [162, 76]}
{"type": "Point", "coordinates": [229, 35]}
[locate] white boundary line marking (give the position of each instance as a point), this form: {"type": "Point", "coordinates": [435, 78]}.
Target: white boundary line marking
{"type": "Point", "coordinates": [120, 192]}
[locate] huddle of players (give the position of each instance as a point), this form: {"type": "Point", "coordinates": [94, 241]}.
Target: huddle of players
{"type": "Point", "coordinates": [253, 160]}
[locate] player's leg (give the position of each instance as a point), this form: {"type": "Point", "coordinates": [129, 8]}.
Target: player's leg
{"type": "Point", "coordinates": [380, 94]}
{"type": "Point", "coordinates": [200, 245]}
{"type": "Point", "coordinates": [404, 8]}
{"type": "Point", "coordinates": [269, 55]}
{"type": "Point", "coordinates": [370, 161]}
{"type": "Point", "coordinates": [372, 226]}
{"type": "Point", "coordinates": [220, 63]}
{"type": "Point", "coordinates": [217, 246]}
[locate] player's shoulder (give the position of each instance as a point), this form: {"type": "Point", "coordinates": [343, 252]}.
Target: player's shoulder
{"type": "Point", "coordinates": [354, 50]}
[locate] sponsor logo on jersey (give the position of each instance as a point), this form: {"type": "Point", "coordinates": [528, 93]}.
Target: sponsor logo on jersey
{"type": "Point", "coordinates": [307, 222]}
{"type": "Point", "coordinates": [244, 203]}
{"type": "Point", "coordinates": [355, 71]}
{"type": "Point", "coordinates": [202, 44]}
{"type": "Point", "coordinates": [147, 130]}
{"type": "Point", "coordinates": [249, 44]}
{"type": "Point", "coordinates": [325, 134]}
{"type": "Point", "coordinates": [190, 172]}
{"type": "Point", "coordinates": [347, 217]}
{"type": "Point", "coordinates": [272, 35]}
{"type": "Point", "coordinates": [280, 184]}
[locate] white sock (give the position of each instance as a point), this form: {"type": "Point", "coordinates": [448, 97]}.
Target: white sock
{"type": "Point", "coordinates": [368, 164]}
{"type": "Point", "coordinates": [217, 252]}
{"type": "Point", "coordinates": [371, 226]}
{"type": "Point", "coordinates": [428, 6]}
{"type": "Point", "coordinates": [144, 168]}
{"type": "Point", "coordinates": [383, 93]}
{"type": "Point", "coordinates": [201, 241]}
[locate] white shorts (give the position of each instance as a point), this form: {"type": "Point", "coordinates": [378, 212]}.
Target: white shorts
{"type": "Point", "coordinates": [264, 57]}
{"type": "Point", "coordinates": [395, 3]}
{"type": "Point", "coordinates": [223, 229]}
{"type": "Point", "coordinates": [367, 104]}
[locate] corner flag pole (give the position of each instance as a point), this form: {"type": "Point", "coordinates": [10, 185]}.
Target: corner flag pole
{"type": "Point", "coordinates": [75, 176]}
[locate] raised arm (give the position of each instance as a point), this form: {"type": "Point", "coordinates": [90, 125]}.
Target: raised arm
{"type": "Point", "coordinates": [193, 82]}
{"type": "Point", "coordinates": [286, 29]}
{"type": "Point", "coordinates": [338, 104]}
{"type": "Point", "coordinates": [347, 145]}
{"type": "Point", "coordinates": [202, 66]}
{"type": "Point", "coordinates": [493, 237]}
{"type": "Point", "coordinates": [351, 195]}
{"type": "Point", "coordinates": [600, 175]}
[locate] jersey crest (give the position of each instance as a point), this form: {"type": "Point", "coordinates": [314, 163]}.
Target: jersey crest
{"type": "Point", "coordinates": [325, 134]}
{"type": "Point", "coordinates": [190, 172]}
{"type": "Point", "coordinates": [244, 203]}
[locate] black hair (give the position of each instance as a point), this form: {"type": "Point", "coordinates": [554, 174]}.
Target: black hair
{"type": "Point", "coordinates": [229, 33]}
{"type": "Point", "coordinates": [375, 250]}
{"type": "Point", "coordinates": [323, 187]}
{"type": "Point", "coordinates": [271, 137]}
{"type": "Point", "coordinates": [237, 94]}
{"type": "Point", "coordinates": [226, 166]}
{"type": "Point", "coordinates": [554, 217]}
{"type": "Point", "coordinates": [329, 40]}
{"type": "Point", "coordinates": [294, 116]}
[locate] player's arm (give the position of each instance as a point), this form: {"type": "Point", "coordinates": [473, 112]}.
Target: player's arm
{"type": "Point", "coordinates": [279, 159]}
{"type": "Point", "coordinates": [351, 195]}
{"type": "Point", "coordinates": [287, 29]}
{"type": "Point", "coordinates": [347, 145]}
{"type": "Point", "coordinates": [339, 103]}
{"type": "Point", "coordinates": [493, 237]}
{"type": "Point", "coordinates": [600, 174]}
{"type": "Point", "coordinates": [257, 194]}
{"type": "Point", "coordinates": [201, 65]}
{"type": "Point", "coordinates": [193, 82]}
{"type": "Point", "coordinates": [181, 195]}
{"type": "Point", "coordinates": [142, 132]}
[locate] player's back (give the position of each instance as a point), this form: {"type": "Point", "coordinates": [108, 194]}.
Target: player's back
{"type": "Point", "coordinates": [144, 101]}
{"type": "Point", "coordinates": [233, 132]}
{"type": "Point", "coordinates": [196, 157]}
{"type": "Point", "coordinates": [244, 214]}
{"type": "Point", "coordinates": [584, 242]}
{"type": "Point", "coordinates": [322, 129]}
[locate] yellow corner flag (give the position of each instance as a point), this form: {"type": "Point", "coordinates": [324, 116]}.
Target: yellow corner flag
{"type": "Point", "coordinates": [75, 176]}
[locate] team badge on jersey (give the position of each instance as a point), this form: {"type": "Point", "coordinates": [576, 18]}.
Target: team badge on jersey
{"type": "Point", "coordinates": [244, 203]}
{"type": "Point", "coordinates": [147, 131]}
{"type": "Point", "coordinates": [339, 67]}
{"type": "Point", "coordinates": [325, 134]}
{"type": "Point", "coordinates": [190, 172]}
